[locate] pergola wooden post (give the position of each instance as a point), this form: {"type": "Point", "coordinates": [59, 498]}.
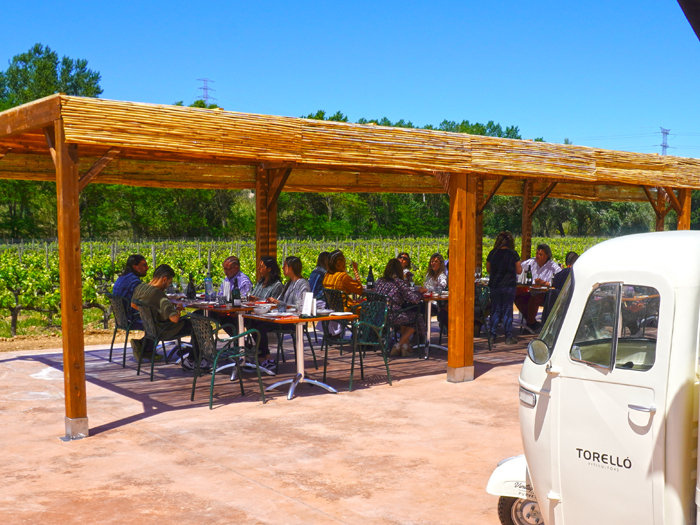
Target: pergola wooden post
{"type": "Point", "coordinates": [479, 227]}
{"type": "Point", "coordinates": [526, 244]}
{"type": "Point", "coordinates": [684, 214]}
{"type": "Point", "coordinates": [460, 340]}
{"type": "Point", "coordinates": [68, 193]}
{"type": "Point", "coordinates": [268, 186]}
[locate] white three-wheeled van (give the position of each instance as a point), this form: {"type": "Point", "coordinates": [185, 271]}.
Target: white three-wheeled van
{"type": "Point", "coordinates": [609, 394]}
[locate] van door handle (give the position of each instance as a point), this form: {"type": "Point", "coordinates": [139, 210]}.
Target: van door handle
{"type": "Point", "coordinates": [651, 409]}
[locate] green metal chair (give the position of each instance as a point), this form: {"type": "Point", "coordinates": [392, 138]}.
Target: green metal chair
{"type": "Point", "coordinates": [369, 331]}
{"type": "Point", "coordinates": [335, 300]}
{"type": "Point", "coordinates": [154, 332]}
{"type": "Point", "coordinates": [482, 299]}
{"type": "Point", "coordinates": [122, 321]}
{"type": "Point", "coordinates": [206, 331]}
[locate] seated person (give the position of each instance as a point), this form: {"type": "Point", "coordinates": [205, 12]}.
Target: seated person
{"type": "Point", "coordinates": [400, 294]}
{"type": "Point", "coordinates": [293, 296]}
{"type": "Point", "coordinates": [236, 278]}
{"type": "Point", "coordinates": [543, 269]}
{"type": "Point", "coordinates": [153, 294]}
{"type": "Point", "coordinates": [317, 275]}
{"type": "Point", "coordinates": [436, 278]}
{"type": "Point", "coordinates": [269, 283]}
{"type": "Point", "coordinates": [234, 275]}
{"type": "Point", "coordinates": [135, 268]}
{"type": "Point", "coordinates": [406, 265]}
{"type": "Point", "coordinates": [561, 277]}
{"type": "Point", "coordinates": [337, 277]}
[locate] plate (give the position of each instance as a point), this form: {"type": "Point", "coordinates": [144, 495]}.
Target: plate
{"type": "Point", "coordinates": [323, 311]}
{"type": "Point", "coordinates": [340, 314]}
{"type": "Point", "coordinates": [280, 314]}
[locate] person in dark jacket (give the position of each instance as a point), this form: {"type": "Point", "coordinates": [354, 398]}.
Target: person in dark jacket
{"type": "Point", "coordinates": [503, 264]}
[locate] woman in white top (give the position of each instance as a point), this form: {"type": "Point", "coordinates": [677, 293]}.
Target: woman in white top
{"type": "Point", "coordinates": [296, 287]}
{"type": "Point", "coordinates": [436, 276]}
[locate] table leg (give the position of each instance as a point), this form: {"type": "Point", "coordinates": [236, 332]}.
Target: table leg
{"type": "Point", "coordinates": [428, 324]}
{"type": "Point", "coordinates": [299, 377]}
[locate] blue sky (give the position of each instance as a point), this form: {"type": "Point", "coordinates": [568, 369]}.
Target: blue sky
{"type": "Point", "coordinates": [600, 73]}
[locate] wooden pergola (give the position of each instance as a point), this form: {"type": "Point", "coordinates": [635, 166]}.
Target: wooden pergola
{"type": "Point", "coordinates": [75, 141]}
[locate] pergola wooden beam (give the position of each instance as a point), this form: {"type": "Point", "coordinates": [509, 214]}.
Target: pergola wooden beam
{"type": "Point", "coordinates": [684, 215]}
{"type": "Point", "coordinates": [278, 178]}
{"type": "Point", "coordinates": [50, 135]}
{"type": "Point", "coordinates": [3, 152]}
{"type": "Point", "coordinates": [488, 198]}
{"type": "Point", "coordinates": [673, 199]}
{"type": "Point", "coordinates": [97, 167]}
{"type": "Point", "coordinates": [28, 117]}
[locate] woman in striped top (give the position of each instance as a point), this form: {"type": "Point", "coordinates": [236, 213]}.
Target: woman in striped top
{"type": "Point", "coordinates": [296, 287]}
{"type": "Point", "coordinates": [269, 284]}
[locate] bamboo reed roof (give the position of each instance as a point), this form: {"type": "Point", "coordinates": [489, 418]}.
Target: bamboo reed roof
{"type": "Point", "coordinates": [179, 147]}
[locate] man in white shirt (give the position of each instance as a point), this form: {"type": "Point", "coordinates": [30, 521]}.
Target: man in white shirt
{"type": "Point", "coordinates": [543, 269]}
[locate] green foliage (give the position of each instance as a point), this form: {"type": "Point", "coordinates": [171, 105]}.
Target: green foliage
{"type": "Point", "coordinates": [39, 73]}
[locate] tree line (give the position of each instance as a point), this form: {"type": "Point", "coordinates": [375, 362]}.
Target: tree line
{"type": "Point", "coordinates": [28, 209]}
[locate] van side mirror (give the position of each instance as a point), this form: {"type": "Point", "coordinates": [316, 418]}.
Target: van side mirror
{"type": "Point", "coordinates": [538, 351]}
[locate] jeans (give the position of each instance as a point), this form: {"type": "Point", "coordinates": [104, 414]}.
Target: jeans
{"type": "Point", "coordinates": [502, 309]}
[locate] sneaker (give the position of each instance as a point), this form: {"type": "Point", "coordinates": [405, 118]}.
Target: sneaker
{"type": "Point", "coordinates": [511, 340]}
{"type": "Point", "coordinates": [187, 363]}
{"type": "Point", "coordinates": [267, 367]}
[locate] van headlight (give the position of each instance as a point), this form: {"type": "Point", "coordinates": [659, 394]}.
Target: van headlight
{"type": "Point", "coordinates": [527, 397]}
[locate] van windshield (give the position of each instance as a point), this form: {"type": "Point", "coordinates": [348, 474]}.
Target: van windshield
{"type": "Point", "coordinates": [551, 328]}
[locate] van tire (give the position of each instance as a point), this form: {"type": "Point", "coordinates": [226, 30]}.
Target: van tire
{"type": "Point", "coordinates": [510, 511]}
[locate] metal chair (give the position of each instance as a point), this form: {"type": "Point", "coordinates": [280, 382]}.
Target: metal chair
{"type": "Point", "coordinates": [370, 331]}
{"type": "Point", "coordinates": [122, 321]}
{"type": "Point", "coordinates": [154, 332]}
{"type": "Point", "coordinates": [482, 299]}
{"type": "Point", "coordinates": [335, 300]}
{"type": "Point", "coordinates": [281, 332]}
{"type": "Point", "coordinates": [206, 331]}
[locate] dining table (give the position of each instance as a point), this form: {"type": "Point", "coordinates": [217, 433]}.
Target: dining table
{"type": "Point", "coordinates": [531, 290]}
{"type": "Point", "coordinates": [286, 319]}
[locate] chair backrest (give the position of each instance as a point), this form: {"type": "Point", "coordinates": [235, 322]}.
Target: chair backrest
{"type": "Point", "coordinates": [335, 299]}
{"type": "Point", "coordinates": [482, 296]}
{"type": "Point", "coordinates": [203, 329]}
{"type": "Point", "coordinates": [120, 307]}
{"type": "Point", "coordinates": [375, 297]}
{"type": "Point", "coordinates": [373, 313]}
{"type": "Point", "coordinates": [149, 318]}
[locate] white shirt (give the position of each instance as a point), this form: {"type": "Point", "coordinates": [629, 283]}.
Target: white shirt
{"type": "Point", "coordinates": [544, 272]}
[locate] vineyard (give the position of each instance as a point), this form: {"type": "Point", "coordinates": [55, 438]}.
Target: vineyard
{"type": "Point", "coordinates": [29, 278]}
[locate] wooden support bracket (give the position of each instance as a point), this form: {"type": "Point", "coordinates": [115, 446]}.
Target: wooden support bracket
{"type": "Point", "coordinates": [279, 179]}
{"type": "Point", "coordinates": [488, 198]}
{"type": "Point", "coordinates": [51, 141]}
{"type": "Point", "coordinates": [675, 203]}
{"type": "Point", "coordinates": [97, 167]}
{"type": "Point", "coordinates": [659, 213]}
{"type": "Point", "coordinates": [543, 197]}
{"type": "Point", "coordinates": [4, 151]}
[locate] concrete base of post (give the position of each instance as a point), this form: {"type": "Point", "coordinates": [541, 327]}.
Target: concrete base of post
{"type": "Point", "coordinates": [460, 375]}
{"type": "Point", "coordinates": [76, 428]}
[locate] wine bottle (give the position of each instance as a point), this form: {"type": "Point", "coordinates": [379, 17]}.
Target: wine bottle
{"type": "Point", "coordinates": [370, 278]}
{"type": "Point", "coordinates": [208, 287]}
{"type": "Point", "coordinates": [236, 294]}
{"type": "Point", "coordinates": [191, 291]}
{"type": "Point", "coordinates": [528, 280]}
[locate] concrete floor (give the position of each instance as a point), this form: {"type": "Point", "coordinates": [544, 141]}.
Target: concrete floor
{"type": "Point", "coordinates": [418, 452]}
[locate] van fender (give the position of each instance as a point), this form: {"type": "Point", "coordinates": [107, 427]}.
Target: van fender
{"type": "Point", "coordinates": [512, 478]}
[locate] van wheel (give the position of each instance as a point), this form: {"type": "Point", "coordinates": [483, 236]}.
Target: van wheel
{"type": "Point", "coordinates": [515, 511]}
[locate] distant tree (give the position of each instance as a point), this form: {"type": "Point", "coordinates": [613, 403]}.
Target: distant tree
{"type": "Point", "coordinates": [567, 141]}
{"type": "Point", "coordinates": [39, 73]}
{"type": "Point", "coordinates": [321, 115]}
{"type": "Point", "coordinates": [199, 103]}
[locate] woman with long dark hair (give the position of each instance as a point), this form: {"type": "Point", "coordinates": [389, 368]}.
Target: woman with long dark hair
{"type": "Point", "coordinates": [269, 284]}
{"type": "Point", "coordinates": [399, 294]}
{"type": "Point", "coordinates": [338, 278]}
{"type": "Point", "coordinates": [317, 275]}
{"type": "Point", "coordinates": [503, 264]}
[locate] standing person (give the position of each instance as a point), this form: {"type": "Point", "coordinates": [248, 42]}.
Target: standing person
{"type": "Point", "coordinates": [292, 295]}
{"type": "Point", "coordinates": [503, 264]}
{"type": "Point", "coordinates": [399, 294]}
{"type": "Point", "coordinates": [317, 275]}
{"type": "Point", "coordinates": [234, 275]}
{"type": "Point", "coordinates": [543, 269]}
{"type": "Point", "coordinates": [135, 268]}
{"type": "Point", "coordinates": [153, 294]}
{"type": "Point", "coordinates": [406, 265]}
{"type": "Point", "coordinates": [269, 284]}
